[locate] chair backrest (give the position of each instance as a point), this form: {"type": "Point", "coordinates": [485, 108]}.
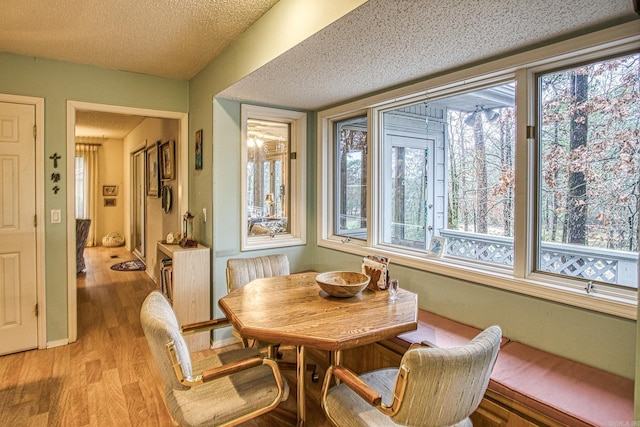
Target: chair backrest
{"type": "Point", "coordinates": [160, 326]}
{"type": "Point", "coordinates": [241, 271]}
{"type": "Point", "coordinates": [445, 386]}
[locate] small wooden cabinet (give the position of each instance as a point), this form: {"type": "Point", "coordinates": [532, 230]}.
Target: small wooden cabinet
{"type": "Point", "coordinates": [190, 287]}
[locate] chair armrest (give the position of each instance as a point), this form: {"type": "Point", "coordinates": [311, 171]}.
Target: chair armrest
{"type": "Point", "coordinates": [207, 325]}
{"type": "Point", "coordinates": [231, 368]}
{"type": "Point", "coordinates": [354, 382]}
{"type": "Point", "coordinates": [419, 345]}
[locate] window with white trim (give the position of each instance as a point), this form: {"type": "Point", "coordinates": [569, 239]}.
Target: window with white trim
{"type": "Point", "coordinates": [447, 170]}
{"type": "Point", "coordinates": [589, 174]}
{"type": "Point", "coordinates": [350, 195]}
{"type": "Point", "coordinates": [273, 177]}
{"type": "Point", "coordinates": [445, 161]}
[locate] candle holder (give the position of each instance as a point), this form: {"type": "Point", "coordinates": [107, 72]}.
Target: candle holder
{"type": "Point", "coordinates": [187, 232]}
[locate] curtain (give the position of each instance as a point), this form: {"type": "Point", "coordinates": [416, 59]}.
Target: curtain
{"type": "Point", "coordinates": [87, 192]}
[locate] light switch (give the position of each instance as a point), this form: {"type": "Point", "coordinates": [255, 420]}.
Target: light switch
{"type": "Point", "coordinates": [204, 214]}
{"type": "Point", "coordinates": [55, 216]}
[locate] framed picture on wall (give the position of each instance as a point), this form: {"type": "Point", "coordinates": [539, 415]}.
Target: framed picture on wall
{"type": "Point", "coordinates": [153, 171]}
{"type": "Point", "coordinates": [110, 202]}
{"type": "Point", "coordinates": [168, 160]}
{"type": "Point", "coordinates": [199, 149]}
{"type": "Point", "coordinates": [109, 190]}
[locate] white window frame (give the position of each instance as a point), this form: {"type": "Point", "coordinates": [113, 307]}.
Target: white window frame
{"type": "Point", "coordinates": [296, 186]}
{"type": "Point", "coordinates": [326, 194]}
{"type": "Point", "coordinates": [354, 235]}
{"type": "Point", "coordinates": [522, 68]}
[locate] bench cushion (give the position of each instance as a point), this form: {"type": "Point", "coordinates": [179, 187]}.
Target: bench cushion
{"type": "Point", "coordinates": [565, 390]}
{"type": "Point", "coordinates": [439, 332]}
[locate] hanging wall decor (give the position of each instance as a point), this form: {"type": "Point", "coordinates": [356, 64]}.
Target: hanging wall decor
{"type": "Point", "coordinates": [167, 156]}
{"type": "Point", "coordinates": [153, 171]}
{"type": "Point", "coordinates": [198, 159]}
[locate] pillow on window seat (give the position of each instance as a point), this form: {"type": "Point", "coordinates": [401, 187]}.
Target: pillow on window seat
{"type": "Point", "coordinates": [272, 226]}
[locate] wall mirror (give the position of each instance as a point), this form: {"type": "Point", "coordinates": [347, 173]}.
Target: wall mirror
{"type": "Point", "coordinates": [273, 177]}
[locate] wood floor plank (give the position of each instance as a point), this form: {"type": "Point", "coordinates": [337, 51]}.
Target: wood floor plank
{"type": "Point", "coordinates": [10, 368]}
{"type": "Point", "coordinates": [93, 369]}
{"type": "Point", "coordinates": [136, 406]}
{"type": "Point", "coordinates": [40, 420]}
{"type": "Point", "coordinates": [71, 407]}
{"type": "Point", "coordinates": [107, 401]}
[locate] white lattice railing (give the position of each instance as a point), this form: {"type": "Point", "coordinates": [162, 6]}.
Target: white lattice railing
{"type": "Point", "coordinates": [604, 265]}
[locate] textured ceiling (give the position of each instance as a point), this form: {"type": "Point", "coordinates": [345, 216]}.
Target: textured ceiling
{"type": "Point", "coordinates": [384, 43]}
{"type": "Point", "coordinates": [94, 124]}
{"type": "Point", "coordinates": [168, 38]}
{"type": "Point", "coordinates": [379, 45]}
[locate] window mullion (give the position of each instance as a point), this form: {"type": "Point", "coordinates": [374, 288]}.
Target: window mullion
{"type": "Point", "coordinates": [524, 226]}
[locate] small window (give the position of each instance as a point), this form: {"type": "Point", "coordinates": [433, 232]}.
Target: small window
{"type": "Point", "coordinates": [350, 217]}
{"type": "Point", "coordinates": [273, 178]}
{"type": "Point", "coordinates": [589, 171]}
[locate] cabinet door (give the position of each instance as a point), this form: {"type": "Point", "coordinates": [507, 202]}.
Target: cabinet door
{"type": "Point", "coordinates": [490, 414]}
{"type": "Point", "coordinates": [369, 357]}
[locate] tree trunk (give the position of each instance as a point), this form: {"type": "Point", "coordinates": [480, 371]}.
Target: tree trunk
{"type": "Point", "coordinates": [555, 201]}
{"type": "Point", "coordinates": [577, 215]}
{"type": "Point", "coordinates": [399, 196]}
{"type": "Point", "coordinates": [481, 175]}
{"type": "Point", "coordinates": [507, 167]}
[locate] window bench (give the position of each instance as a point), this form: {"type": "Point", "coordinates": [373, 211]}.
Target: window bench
{"type": "Point", "coordinates": [528, 386]}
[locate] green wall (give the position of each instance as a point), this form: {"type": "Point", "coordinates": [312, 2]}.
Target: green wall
{"type": "Point", "coordinates": [57, 82]}
{"type": "Point", "coordinates": [217, 186]}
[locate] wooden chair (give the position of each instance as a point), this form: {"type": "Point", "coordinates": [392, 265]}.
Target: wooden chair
{"type": "Point", "coordinates": [241, 271]}
{"type": "Point", "coordinates": [432, 387]}
{"type": "Point", "coordinates": [225, 389]}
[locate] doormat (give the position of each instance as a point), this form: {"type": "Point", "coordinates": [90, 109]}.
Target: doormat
{"type": "Point", "coordinates": [133, 265]}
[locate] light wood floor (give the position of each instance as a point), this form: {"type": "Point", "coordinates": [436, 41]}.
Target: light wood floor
{"type": "Point", "coordinates": [107, 377]}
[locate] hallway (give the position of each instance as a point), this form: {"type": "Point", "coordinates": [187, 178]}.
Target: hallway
{"type": "Point", "coordinates": [107, 377]}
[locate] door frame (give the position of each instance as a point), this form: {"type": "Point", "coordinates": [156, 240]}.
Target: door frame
{"type": "Point", "coordinates": [139, 150]}
{"type": "Point", "coordinates": [182, 194]}
{"type": "Point", "coordinates": [38, 103]}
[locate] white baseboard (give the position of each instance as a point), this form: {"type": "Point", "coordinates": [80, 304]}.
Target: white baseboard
{"type": "Point", "coordinates": [57, 343]}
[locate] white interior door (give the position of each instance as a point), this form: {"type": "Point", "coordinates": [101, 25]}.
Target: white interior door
{"type": "Point", "coordinates": [18, 286]}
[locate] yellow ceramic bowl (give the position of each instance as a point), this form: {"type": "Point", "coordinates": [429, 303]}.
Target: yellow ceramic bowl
{"type": "Point", "coordinates": [342, 284]}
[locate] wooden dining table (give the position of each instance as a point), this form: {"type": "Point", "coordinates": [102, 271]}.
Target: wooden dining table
{"type": "Point", "coordinates": [293, 310]}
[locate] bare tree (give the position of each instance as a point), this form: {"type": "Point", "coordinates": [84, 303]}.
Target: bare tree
{"type": "Point", "coordinates": [577, 214]}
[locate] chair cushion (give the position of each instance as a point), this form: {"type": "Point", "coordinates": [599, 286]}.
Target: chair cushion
{"type": "Point", "coordinates": [347, 409]}
{"type": "Point", "coordinates": [438, 332]}
{"type": "Point", "coordinates": [234, 395]}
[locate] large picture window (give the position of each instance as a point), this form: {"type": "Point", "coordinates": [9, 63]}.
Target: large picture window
{"type": "Point", "coordinates": [589, 177]}
{"type": "Point", "coordinates": [447, 170]}
{"type": "Point", "coordinates": [529, 174]}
